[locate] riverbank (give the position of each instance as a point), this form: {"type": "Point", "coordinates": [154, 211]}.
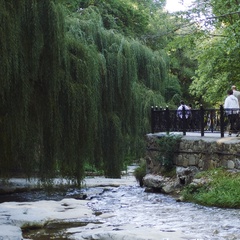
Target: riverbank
{"type": "Point", "coordinates": [14, 185]}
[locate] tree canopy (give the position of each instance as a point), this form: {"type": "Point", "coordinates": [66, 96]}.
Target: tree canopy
{"type": "Point", "coordinates": [217, 50]}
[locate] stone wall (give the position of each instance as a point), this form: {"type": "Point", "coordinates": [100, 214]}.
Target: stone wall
{"type": "Point", "coordinates": [200, 152]}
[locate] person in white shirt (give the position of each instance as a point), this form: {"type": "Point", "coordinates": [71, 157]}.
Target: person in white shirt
{"type": "Point", "coordinates": [231, 106]}
{"type": "Point", "coordinates": [236, 93]}
{"type": "Point", "coordinates": [181, 115]}
{"type": "Point", "coordinates": [180, 110]}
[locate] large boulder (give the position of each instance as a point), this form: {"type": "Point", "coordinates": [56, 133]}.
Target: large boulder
{"type": "Point", "coordinates": [154, 181]}
{"type": "Point", "coordinates": [185, 175]}
{"type": "Point", "coordinates": [161, 184]}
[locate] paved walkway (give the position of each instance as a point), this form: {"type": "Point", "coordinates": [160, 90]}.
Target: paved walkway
{"type": "Point", "coordinates": [208, 136]}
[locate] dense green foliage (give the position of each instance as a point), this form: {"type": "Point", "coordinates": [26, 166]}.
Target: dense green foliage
{"type": "Point", "coordinates": [31, 86]}
{"type": "Point", "coordinates": [221, 189]}
{"type": "Point", "coordinates": [78, 77]}
{"type": "Point", "coordinates": [217, 49]}
{"type": "Point", "coordinates": [76, 86]}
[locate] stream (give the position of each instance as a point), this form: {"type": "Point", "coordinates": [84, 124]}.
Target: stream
{"type": "Point", "coordinates": [116, 207]}
{"type": "Point", "coordinates": [121, 210]}
{"type": "Point", "coordinates": [133, 205]}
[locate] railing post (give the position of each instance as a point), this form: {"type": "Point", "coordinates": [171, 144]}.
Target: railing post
{"type": "Point", "coordinates": [184, 120]}
{"type": "Point", "coordinates": [167, 120]}
{"type": "Point", "coordinates": [222, 120]}
{"type": "Point", "coordinates": [202, 120]}
{"type": "Point", "coordinates": [152, 120]}
{"type": "Point", "coordinates": [211, 120]}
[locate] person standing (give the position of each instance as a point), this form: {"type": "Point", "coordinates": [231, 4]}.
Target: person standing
{"type": "Point", "coordinates": [231, 106]}
{"type": "Point", "coordinates": [180, 110]}
{"type": "Point", "coordinates": [183, 113]}
{"type": "Point", "coordinates": [236, 93]}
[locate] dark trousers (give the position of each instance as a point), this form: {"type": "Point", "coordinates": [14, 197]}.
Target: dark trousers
{"type": "Point", "coordinates": [181, 124]}
{"type": "Point", "coordinates": [233, 120]}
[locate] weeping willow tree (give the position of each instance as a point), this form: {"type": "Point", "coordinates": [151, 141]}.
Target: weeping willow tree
{"type": "Point", "coordinates": [33, 57]}
{"type": "Point", "coordinates": [132, 78]}
{"type": "Point", "coordinates": [72, 91]}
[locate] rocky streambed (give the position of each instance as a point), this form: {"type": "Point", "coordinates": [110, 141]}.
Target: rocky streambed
{"type": "Point", "coordinates": [113, 209]}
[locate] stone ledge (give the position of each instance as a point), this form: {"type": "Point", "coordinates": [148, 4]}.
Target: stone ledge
{"type": "Point", "coordinates": [202, 152]}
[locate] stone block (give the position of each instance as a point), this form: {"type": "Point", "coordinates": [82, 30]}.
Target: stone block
{"type": "Point", "coordinates": [230, 164]}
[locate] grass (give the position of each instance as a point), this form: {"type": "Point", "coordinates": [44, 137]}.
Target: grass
{"type": "Point", "coordinates": [140, 173]}
{"type": "Point", "coordinates": [221, 190]}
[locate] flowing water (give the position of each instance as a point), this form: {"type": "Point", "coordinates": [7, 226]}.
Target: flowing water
{"type": "Point", "coordinates": [132, 205]}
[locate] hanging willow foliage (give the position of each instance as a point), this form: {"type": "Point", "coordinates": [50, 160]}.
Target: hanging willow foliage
{"type": "Point", "coordinates": [32, 44]}
{"type": "Point", "coordinates": [72, 91]}
{"type": "Point", "coordinates": [132, 78]}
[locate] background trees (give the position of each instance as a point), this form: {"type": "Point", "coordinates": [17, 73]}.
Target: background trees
{"type": "Point", "coordinates": [217, 50]}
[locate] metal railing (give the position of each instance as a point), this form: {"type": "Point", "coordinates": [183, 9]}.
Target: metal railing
{"type": "Point", "coordinates": [194, 120]}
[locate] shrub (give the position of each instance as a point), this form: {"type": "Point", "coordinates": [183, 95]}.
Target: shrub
{"type": "Point", "coordinates": [140, 172]}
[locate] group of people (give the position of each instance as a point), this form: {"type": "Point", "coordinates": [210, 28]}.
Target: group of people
{"type": "Point", "coordinates": [231, 106]}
